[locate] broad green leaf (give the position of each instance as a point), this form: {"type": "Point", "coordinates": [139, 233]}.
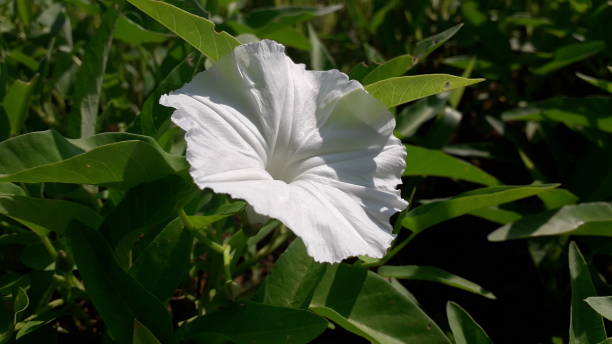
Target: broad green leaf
{"type": "Point", "coordinates": [116, 296]}
{"type": "Point", "coordinates": [83, 118]}
{"type": "Point", "coordinates": [602, 84]}
{"type": "Point", "coordinates": [17, 103]}
{"type": "Point", "coordinates": [130, 32]}
{"type": "Point", "coordinates": [403, 89]}
{"type": "Point", "coordinates": [593, 112]}
{"type": "Point", "coordinates": [457, 94]}
{"type": "Point", "coordinates": [147, 205]}
{"type": "Point", "coordinates": [581, 219]}
{"type": "Point", "coordinates": [586, 326]}
{"type": "Point", "coordinates": [152, 114]}
{"type": "Point", "coordinates": [433, 274]}
{"type": "Point", "coordinates": [602, 305]}
{"type": "Point", "coordinates": [364, 303]}
{"type": "Point", "coordinates": [389, 69]}
{"type": "Point", "coordinates": [11, 189]}
{"type": "Point", "coordinates": [254, 323]}
{"type": "Point", "coordinates": [197, 31]}
{"type": "Point", "coordinates": [425, 47]}
{"type": "Point", "coordinates": [44, 215]}
{"type": "Point", "coordinates": [414, 115]}
{"type": "Point", "coordinates": [435, 212]}
{"type": "Point", "coordinates": [119, 159]}
{"type": "Point", "coordinates": [428, 162]}
{"type": "Point", "coordinates": [294, 278]}
{"type": "Point", "coordinates": [222, 212]}
{"type": "Point", "coordinates": [557, 198]}
{"type": "Point", "coordinates": [165, 261]}
{"type": "Point", "coordinates": [143, 335]}
{"type": "Point", "coordinates": [465, 329]}
{"type": "Point", "coordinates": [569, 54]}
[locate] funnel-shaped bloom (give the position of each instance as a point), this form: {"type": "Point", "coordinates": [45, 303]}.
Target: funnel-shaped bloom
{"type": "Point", "coordinates": [309, 148]}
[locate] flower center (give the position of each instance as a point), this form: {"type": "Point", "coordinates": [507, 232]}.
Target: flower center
{"type": "Point", "coordinates": [278, 169]}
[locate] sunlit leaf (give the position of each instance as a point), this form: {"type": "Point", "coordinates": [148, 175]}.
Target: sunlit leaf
{"type": "Point", "coordinates": [581, 219]}
{"type": "Point", "coordinates": [435, 212]}
{"type": "Point", "coordinates": [16, 103]}
{"type": "Point", "coordinates": [389, 69]}
{"type": "Point", "coordinates": [294, 278]}
{"type": "Point", "coordinates": [364, 303]}
{"type": "Point", "coordinates": [108, 159]}
{"type": "Point", "coordinates": [399, 90]}
{"type": "Point", "coordinates": [428, 162]}
{"type": "Point", "coordinates": [602, 84]}
{"type": "Point", "coordinates": [197, 31]}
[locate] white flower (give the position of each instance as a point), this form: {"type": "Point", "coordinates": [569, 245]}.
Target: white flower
{"type": "Point", "coordinates": [309, 148]}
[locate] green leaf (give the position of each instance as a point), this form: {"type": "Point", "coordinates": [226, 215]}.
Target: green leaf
{"type": "Point", "coordinates": [602, 84]}
{"type": "Point", "coordinates": [602, 305]}
{"type": "Point", "coordinates": [582, 219]}
{"type": "Point", "coordinates": [44, 215]}
{"type": "Point", "coordinates": [222, 212]}
{"type": "Point", "coordinates": [464, 327]}
{"type": "Point", "coordinates": [590, 112]}
{"type": "Point", "coordinates": [364, 303]}
{"type": "Point", "coordinates": [17, 103]}
{"type": "Point", "coordinates": [130, 32]}
{"type": "Point", "coordinates": [83, 119]}
{"type": "Point", "coordinates": [147, 205]}
{"type": "Point", "coordinates": [425, 47]}
{"type": "Point", "coordinates": [433, 274]}
{"type": "Point", "coordinates": [195, 30]}
{"type": "Point", "coordinates": [497, 215]}
{"type": "Point", "coordinates": [253, 323]}
{"type": "Point", "coordinates": [294, 278]}
{"type": "Point", "coordinates": [557, 198]}
{"type": "Point", "coordinates": [143, 335]}
{"type": "Point", "coordinates": [399, 90]}
{"type": "Point", "coordinates": [392, 68]}
{"type": "Point", "coordinates": [21, 301]}
{"type": "Point", "coordinates": [11, 189]}
{"type": "Point", "coordinates": [569, 54]}
{"type": "Point", "coordinates": [116, 296]}
{"type": "Point", "coordinates": [117, 159]}
{"type": "Point", "coordinates": [428, 162]}
{"type": "Point", "coordinates": [164, 263]}
{"type": "Point", "coordinates": [586, 326]}
{"type": "Point", "coordinates": [435, 212]}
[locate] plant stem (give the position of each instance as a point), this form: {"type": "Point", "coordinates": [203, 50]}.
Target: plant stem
{"type": "Point", "coordinates": [201, 237]}
{"type": "Point", "coordinates": [49, 246]}
{"type": "Point", "coordinates": [267, 250]}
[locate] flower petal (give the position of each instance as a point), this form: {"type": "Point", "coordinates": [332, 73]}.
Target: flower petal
{"type": "Point", "coordinates": [312, 149]}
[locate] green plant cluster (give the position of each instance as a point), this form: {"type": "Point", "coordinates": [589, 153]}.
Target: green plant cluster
{"type": "Point", "coordinates": [505, 109]}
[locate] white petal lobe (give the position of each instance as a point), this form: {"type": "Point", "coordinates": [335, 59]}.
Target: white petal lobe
{"type": "Point", "coordinates": [309, 148]}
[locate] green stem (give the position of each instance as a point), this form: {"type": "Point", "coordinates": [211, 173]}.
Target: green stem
{"type": "Point", "coordinates": [48, 246]}
{"type": "Point", "coordinates": [198, 234]}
